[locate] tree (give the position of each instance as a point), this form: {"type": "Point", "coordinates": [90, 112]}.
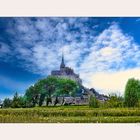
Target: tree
{"type": "Point", "coordinates": [132, 92]}
{"type": "Point", "coordinates": [22, 101]}
{"type": "Point", "coordinates": [7, 103]}
{"type": "Point", "coordinates": [42, 91]}
{"type": "Point", "coordinates": [114, 101]}
{"type": "Point", "coordinates": [32, 96]}
{"type": "Point", "coordinates": [1, 104]}
{"type": "Point", "coordinates": [17, 101]}
{"type": "Point", "coordinates": [51, 87]}
{"type": "Point", "coordinates": [45, 89]}
{"type": "Point", "coordinates": [93, 102]}
{"type": "Point", "coordinates": [67, 87]}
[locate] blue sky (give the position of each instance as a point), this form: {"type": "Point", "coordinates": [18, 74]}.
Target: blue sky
{"type": "Point", "coordinates": [105, 51]}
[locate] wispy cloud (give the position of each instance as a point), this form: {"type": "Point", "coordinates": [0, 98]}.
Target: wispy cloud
{"type": "Point", "coordinates": [38, 43]}
{"type": "Point", "coordinates": [108, 82]}
{"type": "Point", "coordinates": [112, 51]}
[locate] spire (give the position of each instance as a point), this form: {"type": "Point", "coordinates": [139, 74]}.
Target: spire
{"type": "Point", "coordinates": [62, 62]}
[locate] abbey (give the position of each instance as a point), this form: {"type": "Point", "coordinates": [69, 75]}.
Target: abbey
{"type": "Point", "coordinates": [66, 72]}
{"type": "Point", "coordinates": [82, 97]}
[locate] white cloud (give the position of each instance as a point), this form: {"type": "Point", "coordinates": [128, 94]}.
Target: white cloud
{"type": "Point", "coordinates": [108, 82]}
{"type": "Point", "coordinates": [40, 44]}
{"type": "Point", "coordinates": [4, 48]}
{"type": "Point", "coordinates": [4, 52]}
{"type": "Point", "coordinates": [113, 52]}
{"type": "Point", "coordinates": [108, 51]}
{"type": "Point", "coordinates": [112, 49]}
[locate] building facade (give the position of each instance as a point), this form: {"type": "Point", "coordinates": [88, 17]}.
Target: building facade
{"type": "Point", "coordinates": [66, 72]}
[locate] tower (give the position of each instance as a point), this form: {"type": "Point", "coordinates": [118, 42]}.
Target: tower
{"type": "Point", "coordinates": [62, 62]}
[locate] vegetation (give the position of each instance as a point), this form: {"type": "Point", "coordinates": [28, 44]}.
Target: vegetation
{"type": "Point", "coordinates": [132, 92]}
{"type": "Point", "coordinates": [28, 108]}
{"type": "Point", "coordinates": [17, 101]}
{"type": "Point", "coordinates": [7, 103]}
{"type": "Point", "coordinates": [66, 87]}
{"type": "Point", "coordinates": [41, 93]}
{"type": "Point", "coordinates": [114, 101]}
{"type": "Point", "coordinates": [70, 114]}
{"type": "Point", "coordinates": [93, 102]}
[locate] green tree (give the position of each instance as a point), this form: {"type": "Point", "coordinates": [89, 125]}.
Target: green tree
{"type": "Point", "coordinates": [43, 90]}
{"type": "Point", "coordinates": [132, 92]}
{"type": "Point", "coordinates": [7, 103]}
{"type": "Point", "coordinates": [33, 95]}
{"type": "Point", "coordinates": [51, 87]}
{"type": "Point", "coordinates": [22, 101]}
{"type": "Point", "coordinates": [114, 101]}
{"type": "Point", "coordinates": [16, 102]}
{"type": "Point", "coordinates": [67, 87]}
{"type": "Point", "coordinates": [93, 102]}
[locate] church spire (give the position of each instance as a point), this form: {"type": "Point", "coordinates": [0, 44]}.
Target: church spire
{"type": "Point", "coordinates": [62, 62]}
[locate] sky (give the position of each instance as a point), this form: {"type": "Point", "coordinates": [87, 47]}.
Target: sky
{"type": "Point", "coordinates": [104, 51]}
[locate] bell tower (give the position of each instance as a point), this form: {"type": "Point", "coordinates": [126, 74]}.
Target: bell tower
{"type": "Point", "coordinates": [62, 62]}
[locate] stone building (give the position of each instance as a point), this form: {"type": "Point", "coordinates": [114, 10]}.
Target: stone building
{"type": "Point", "coordinates": [83, 95]}
{"type": "Point", "coordinates": [66, 72]}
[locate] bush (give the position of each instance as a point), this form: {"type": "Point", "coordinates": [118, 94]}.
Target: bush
{"type": "Point", "coordinates": [18, 101]}
{"type": "Point", "coordinates": [132, 92]}
{"type": "Point", "coordinates": [7, 103]}
{"type": "Point", "coordinates": [93, 102]}
{"type": "Point", "coordinates": [114, 101]}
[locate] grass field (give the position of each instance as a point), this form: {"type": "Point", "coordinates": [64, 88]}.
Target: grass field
{"type": "Point", "coordinates": [70, 114]}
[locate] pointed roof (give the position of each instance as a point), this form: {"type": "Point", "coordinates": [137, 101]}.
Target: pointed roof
{"type": "Point", "coordinates": [62, 62]}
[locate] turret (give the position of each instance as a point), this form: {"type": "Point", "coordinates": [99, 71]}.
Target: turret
{"type": "Point", "coordinates": [62, 63]}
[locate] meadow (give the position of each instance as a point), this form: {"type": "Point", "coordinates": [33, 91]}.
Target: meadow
{"type": "Point", "coordinates": [70, 114]}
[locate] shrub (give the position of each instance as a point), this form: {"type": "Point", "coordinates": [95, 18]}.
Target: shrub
{"type": "Point", "coordinates": [114, 101]}
{"type": "Point", "coordinates": [93, 102]}
{"type": "Point", "coordinates": [132, 92]}
{"type": "Point", "coordinates": [18, 101]}
{"type": "Point", "coordinates": [7, 103]}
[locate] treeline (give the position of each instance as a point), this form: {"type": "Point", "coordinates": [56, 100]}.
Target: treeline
{"type": "Point", "coordinates": [114, 101]}
{"type": "Point", "coordinates": [42, 92]}
{"type": "Point", "coordinates": [131, 97]}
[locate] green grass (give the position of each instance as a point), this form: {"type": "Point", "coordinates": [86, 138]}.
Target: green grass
{"type": "Point", "coordinates": [70, 114]}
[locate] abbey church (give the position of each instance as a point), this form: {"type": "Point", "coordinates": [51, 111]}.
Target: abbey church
{"type": "Point", "coordinates": [83, 96]}
{"type": "Point", "coordinates": [66, 72]}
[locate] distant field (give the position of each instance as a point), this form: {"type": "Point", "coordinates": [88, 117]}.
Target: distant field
{"type": "Point", "coordinates": [70, 114]}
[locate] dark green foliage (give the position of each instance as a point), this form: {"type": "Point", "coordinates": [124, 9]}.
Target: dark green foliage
{"type": "Point", "coordinates": [18, 101]}
{"type": "Point", "coordinates": [66, 87]}
{"type": "Point", "coordinates": [7, 103]}
{"type": "Point", "coordinates": [48, 100]}
{"type": "Point", "coordinates": [56, 101]}
{"type": "Point", "coordinates": [47, 88]}
{"type": "Point", "coordinates": [42, 89]}
{"type": "Point", "coordinates": [22, 101]}
{"type": "Point", "coordinates": [132, 92]}
{"type": "Point", "coordinates": [93, 102]}
{"type": "Point", "coordinates": [41, 100]}
{"type": "Point", "coordinates": [51, 85]}
{"type": "Point", "coordinates": [114, 101]}
{"type": "Point", "coordinates": [31, 96]}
